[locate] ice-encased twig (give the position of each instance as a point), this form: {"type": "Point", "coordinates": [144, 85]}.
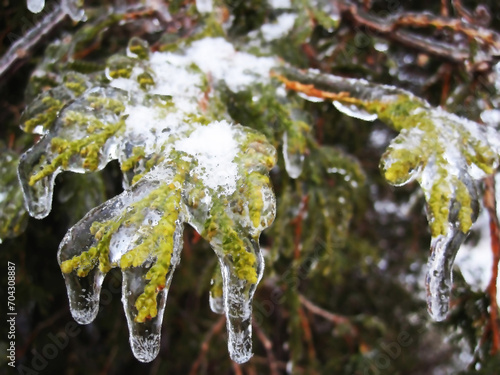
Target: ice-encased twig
{"type": "Point", "coordinates": [23, 46]}
{"type": "Point", "coordinates": [145, 336]}
{"type": "Point", "coordinates": [178, 164]}
{"type": "Point", "coordinates": [79, 141]}
{"type": "Point", "coordinates": [84, 283]}
{"type": "Point", "coordinates": [445, 153]}
{"type": "Point", "coordinates": [37, 197]}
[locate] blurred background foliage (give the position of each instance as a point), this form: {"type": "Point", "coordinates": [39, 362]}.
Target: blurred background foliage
{"type": "Point", "coordinates": [342, 293]}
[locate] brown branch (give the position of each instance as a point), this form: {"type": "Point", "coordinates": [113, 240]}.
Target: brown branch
{"type": "Point", "coordinates": [268, 346]}
{"type": "Point", "coordinates": [462, 11]}
{"type": "Point", "coordinates": [310, 90]}
{"type": "Point", "coordinates": [490, 204]}
{"type": "Point", "coordinates": [482, 34]}
{"type": "Point", "coordinates": [216, 328]}
{"type": "Point", "coordinates": [367, 4]}
{"type": "Point", "coordinates": [390, 28]}
{"type": "Point", "coordinates": [334, 318]}
{"type": "Point", "coordinates": [306, 327]}
{"type": "Point", "coordinates": [444, 8]}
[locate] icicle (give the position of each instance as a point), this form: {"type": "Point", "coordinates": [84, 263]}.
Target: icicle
{"type": "Point", "coordinates": [145, 335]}
{"type": "Point", "coordinates": [84, 295]}
{"type": "Point", "coordinates": [36, 6]}
{"type": "Point", "coordinates": [294, 160]}
{"type": "Point", "coordinates": [238, 295]}
{"type": "Point", "coordinates": [353, 111]}
{"type": "Point", "coordinates": [439, 274]}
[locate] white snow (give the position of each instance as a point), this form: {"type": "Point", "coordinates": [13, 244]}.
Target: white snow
{"type": "Point", "coordinates": [283, 25]}
{"type": "Point", "coordinates": [277, 4]}
{"type": "Point", "coordinates": [214, 148]}
{"type": "Point", "coordinates": [218, 57]}
{"type": "Point", "coordinates": [491, 117]}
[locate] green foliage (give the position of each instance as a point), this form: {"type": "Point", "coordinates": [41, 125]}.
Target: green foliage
{"type": "Point", "coordinates": [331, 243]}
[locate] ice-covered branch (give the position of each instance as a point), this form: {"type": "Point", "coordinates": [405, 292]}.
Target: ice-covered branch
{"type": "Point", "coordinates": [446, 154]}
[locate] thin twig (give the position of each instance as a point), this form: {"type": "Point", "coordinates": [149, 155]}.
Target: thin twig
{"type": "Point", "coordinates": [216, 328]}
{"type": "Point", "coordinates": [444, 8]}
{"type": "Point", "coordinates": [462, 11]}
{"type": "Point", "coordinates": [334, 318]}
{"type": "Point", "coordinates": [268, 346]}
{"type": "Point", "coordinates": [490, 204]}
{"type": "Point", "coordinates": [306, 327]}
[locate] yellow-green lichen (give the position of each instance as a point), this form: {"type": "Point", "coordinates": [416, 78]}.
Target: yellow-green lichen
{"type": "Point", "coordinates": [221, 225]}
{"type": "Point", "coordinates": [88, 149]}
{"type": "Point", "coordinates": [47, 117]}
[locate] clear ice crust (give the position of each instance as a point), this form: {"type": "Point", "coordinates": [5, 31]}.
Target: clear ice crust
{"type": "Point", "coordinates": [180, 165]}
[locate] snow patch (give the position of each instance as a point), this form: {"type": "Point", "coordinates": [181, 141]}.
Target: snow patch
{"type": "Point", "coordinates": [214, 148]}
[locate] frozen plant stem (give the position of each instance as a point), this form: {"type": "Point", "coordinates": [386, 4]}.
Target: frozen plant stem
{"type": "Point", "coordinates": [23, 47]}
